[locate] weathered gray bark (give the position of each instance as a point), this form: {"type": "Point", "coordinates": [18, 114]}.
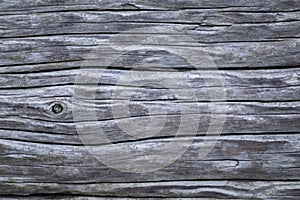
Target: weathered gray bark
{"type": "Point", "coordinates": [256, 46]}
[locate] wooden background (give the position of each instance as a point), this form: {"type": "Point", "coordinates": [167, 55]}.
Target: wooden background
{"type": "Point", "coordinates": [256, 46]}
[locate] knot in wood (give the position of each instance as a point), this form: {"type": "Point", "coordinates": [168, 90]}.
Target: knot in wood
{"type": "Point", "coordinates": [57, 108]}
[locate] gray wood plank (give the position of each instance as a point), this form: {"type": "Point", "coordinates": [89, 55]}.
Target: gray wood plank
{"type": "Point", "coordinates": [60, 52]}
{"type": "Point", "coordinates": [205, 26]}
{"type": "Point", "coordinates": [264, 157]}
{"type": "Point", "coordinates": [242, 118]}
{"type": "Point", "coordinates": [238, 5]}
{"type": "Point", "coordinates": [176, 189]}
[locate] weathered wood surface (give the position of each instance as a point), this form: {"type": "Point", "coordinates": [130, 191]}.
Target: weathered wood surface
{"type": "Point", "coordinates": [256, 46]}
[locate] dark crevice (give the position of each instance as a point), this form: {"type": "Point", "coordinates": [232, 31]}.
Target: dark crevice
{"type": "Point", "coordinates": [109, 33]}
{"type": "Point", "coordinates": [260, 11]}
{"type": "Point", "coordinates": [119, 68]}
{"type": "Point", "coordinates": [41, 63]}
{"type": "Point", "coordinates": [258, 68]}
{"type": "Point", "coordinates": [196, 137]}
{"type": "Point", "coordinates": [167, 181]}
{"type": "Point", "coordinates": [37, 86]}
{"type": "Point", "coordinates": [41, 142]}
{"type": "Point", "coordinates": [39, 132]}
{"type": "Point", "coordinates": [70, 194]}
{"type": "Point", "coordinates": [270, 22]}
{"type": "Point", "coordinates": [148, 87]}
{"type": "Point", "coordinates": [135, 9]}
{"type": "Point", "coordinates": [41, 71]}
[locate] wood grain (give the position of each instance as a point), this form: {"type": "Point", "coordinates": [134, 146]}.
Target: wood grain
{"type": "Point", "coordinates": [254, 45]}
{"type": "Point", "coordinates": [191, 189]}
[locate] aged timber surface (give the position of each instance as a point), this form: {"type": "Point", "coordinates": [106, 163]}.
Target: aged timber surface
{"type": "Point", "coordinates": [255, 45]}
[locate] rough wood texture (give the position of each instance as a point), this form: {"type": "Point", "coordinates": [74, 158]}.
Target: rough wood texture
{"type": "Point", "coordinates": [256, 46]}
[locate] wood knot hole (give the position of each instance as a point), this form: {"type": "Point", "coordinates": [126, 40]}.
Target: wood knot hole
{"type": "Point", "coordinates": [57, 108]}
